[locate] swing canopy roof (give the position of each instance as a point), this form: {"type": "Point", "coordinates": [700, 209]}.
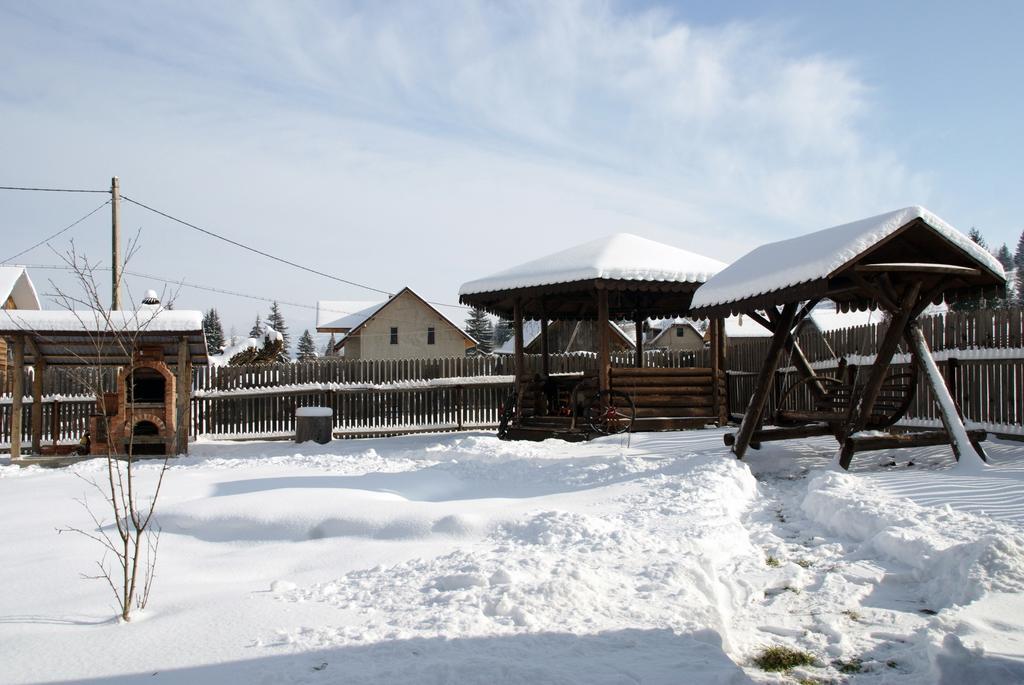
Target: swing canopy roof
{"type": "Point", "coordinates": [643, 278]}
{"type": "Point", "coordinates": [834, 263]}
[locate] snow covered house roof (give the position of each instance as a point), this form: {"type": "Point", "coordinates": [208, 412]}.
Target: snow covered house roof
{"type": "Point", "coordinates": [16, 287]}
{"type": "Point", "coordinates": [88, 337]}
{"type": "Point", "coordinates": [563, 285]}
{"type": "Point", "coordinates": [813, 264]}
{"type": "Point", "coordinates": [339, 316]}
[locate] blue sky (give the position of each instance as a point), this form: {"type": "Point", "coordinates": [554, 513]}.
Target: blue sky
{"type": "Point", "coordinates": [426, 144]}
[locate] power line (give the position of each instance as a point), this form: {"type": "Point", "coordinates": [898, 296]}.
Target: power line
{"type": "Point", "coordinates": [54, 190]}
{"type": "Point", "coordinates": [221, 291]}
{"type": "Point", "coordinates": [270, 256]}
{"type": "Point", "coordinates": [66, 228]}
{"type": "Point", "coordinates": [253, 249]}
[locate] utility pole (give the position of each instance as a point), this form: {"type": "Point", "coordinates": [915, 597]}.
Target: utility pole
{"type": "Point", "coordinates": [115, 244]}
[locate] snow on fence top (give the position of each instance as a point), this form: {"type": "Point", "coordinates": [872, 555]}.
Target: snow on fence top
{"type": "Point", "coordinates": [817, 255]}
{"type": "Point", "coordinates": [153, 319]}
{"type": "Point", "coordinates": [622, 256]}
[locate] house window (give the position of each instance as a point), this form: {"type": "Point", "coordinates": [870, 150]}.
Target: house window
{"type": "Point", "coordinates": [394, 335]}
{"type": "Point", "coordinates": [680, 332]}
{"type": "Point", "coordinates": [430, 335]}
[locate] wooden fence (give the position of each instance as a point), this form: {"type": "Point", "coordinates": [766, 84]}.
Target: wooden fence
{"type": "Point", "coordinates": [389, 397]}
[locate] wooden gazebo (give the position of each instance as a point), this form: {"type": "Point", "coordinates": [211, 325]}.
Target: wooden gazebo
{"type": "Point", "coordinates": [899, 262]}
{"type": "Point", "coordinates": [154, 350]}
{"type": "Point", "coordinates": [622, 277]}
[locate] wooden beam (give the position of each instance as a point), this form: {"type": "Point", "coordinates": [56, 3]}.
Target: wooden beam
{"type": "Point", "coordinates": [954, 425]}
{"type": "Point", "coordinates": [603, 349]}
{"type": "Point", "coordinates": [38, 369]}
{"type": "Point", "coordinates": [544, 352]}
{"type": "Point", "coordinates": [517, 330]}
{"type": "Point", "coordinates": [920, 268]}
{"type": "Point", "coordinates": [716, 369]}
{"type": "Point", "coordinates": [638, 321]}
{"type": "Point", "coordinates": [183, 393]}
{"type": "Point", "coordinates": [17, 395]}
{"type": "Point", "coordinates": [765, 377]}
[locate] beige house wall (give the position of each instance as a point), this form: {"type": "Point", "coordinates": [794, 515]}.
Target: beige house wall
{"type": "Point", "coordinates": [412, 318]}
{"type": "Point", "coordinates": [670, 340]}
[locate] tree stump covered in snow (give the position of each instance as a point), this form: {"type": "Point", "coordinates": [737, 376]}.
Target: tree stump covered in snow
{"type": "Point", "coordinates": [314, 423]}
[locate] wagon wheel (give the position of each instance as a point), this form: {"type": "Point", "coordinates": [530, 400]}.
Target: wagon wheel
{"type": "Point", "coordinates": [611, 412]}
{"type": "Point", "coordinates": [898, 391]}
{"type": "Point", "coordinates": [788, 400]}
{"type": "Point", "coordinates": [506, 412]}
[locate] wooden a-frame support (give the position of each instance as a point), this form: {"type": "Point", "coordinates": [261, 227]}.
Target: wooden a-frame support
{"type": "Point", "coordinates": [903, 311]}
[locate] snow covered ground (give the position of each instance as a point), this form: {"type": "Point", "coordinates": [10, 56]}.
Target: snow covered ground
{"type": "Point", "coordinates": [458, 558]}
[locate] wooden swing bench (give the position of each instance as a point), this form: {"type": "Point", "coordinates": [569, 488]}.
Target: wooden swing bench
{"type": "Point", "coordinates": [898, 262]}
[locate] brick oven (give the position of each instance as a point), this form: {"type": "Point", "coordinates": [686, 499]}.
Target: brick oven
{"type": "Point", "coordinates": [141, 411]}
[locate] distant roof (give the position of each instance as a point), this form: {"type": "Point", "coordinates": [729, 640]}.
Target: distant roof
{"type": "Point", "coordinates": [76, 337]}
{"type": "Point", "coordinates": [341, 315]}
{"type": "Point", "coordinates": [622, 256]}
{"type": "Point", "coordinates": [818, 256]}
{"type": "Point", "coordinates": [16, 284]}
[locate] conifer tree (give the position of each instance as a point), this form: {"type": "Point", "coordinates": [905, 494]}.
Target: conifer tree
{"type": "Point", "coordinates": [257, 328]}
{"type": "Point", "coordinates": [502, 332]}
{"type": "Point", "coordinates": [1004, 256]}
{"type": "Point", "coordinates": [975, 235]}
{"type": "Point", "coordinates": [276, 321]}
{"type": "Point", "coordinates": [1018, 256]}
{"type": "Point", "coordinates": [478, 325]}
{"type": "Point", "coordinates": [971, 304]}
{"type": "Point", "coordinates": [214, 331]}
{"type": "Point", "coordinates": [329, 347]}
{"type": "Point", "coordinates": [307, 348]}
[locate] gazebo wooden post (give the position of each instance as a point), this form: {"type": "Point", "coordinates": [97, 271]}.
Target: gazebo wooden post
{"type": "Point", "coordinates": [183, 395]}
{"type": "Point", "coordinates": [17, 393]}
{"type": "Point", "coordinates": [517, 326]}
{"type": "Point", "coordinates": [38, 370]}
{"type": "Point", "coordinates": [716, 366]}
{"type": "Point", "coordinates": [638, 321]}
{"type": "Point", "coordinates": [751, 418]}
{"type": "Point", "coordinates": [603, 352]}
{"type": "Point", "coordinates": [545, 362]}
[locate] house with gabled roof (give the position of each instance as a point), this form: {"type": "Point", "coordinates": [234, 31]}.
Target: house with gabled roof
{"type": "Point", "coordinates": [675, 334]}
{"type": "Point", "coordinates": [405, 326]}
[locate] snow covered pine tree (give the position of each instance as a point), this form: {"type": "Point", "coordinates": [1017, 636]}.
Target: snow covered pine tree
{"type": "Point", "coordinates": [214, 331]}
{"type": "Point", "coordinates": [479, 326]}
{"type": "Point", "coordinates": [307, 347]}
{"type": "Point", "coordinates": [276, 321]}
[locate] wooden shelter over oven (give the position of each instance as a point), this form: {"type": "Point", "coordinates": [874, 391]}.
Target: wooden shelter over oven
{"type": "Point", "coordinates": [622, 277]}
{"type": "Point", "coordinates": [899, 262]}
{"type": "Point", "coordinates": [154, 350]}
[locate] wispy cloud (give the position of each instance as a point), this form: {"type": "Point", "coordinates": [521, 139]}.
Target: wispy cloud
{"type": "Point", "coordinates": [552, 121]}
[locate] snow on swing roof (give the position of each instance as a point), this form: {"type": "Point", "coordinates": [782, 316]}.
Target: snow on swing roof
{"type": "Point", "coordinates": [622, 256]}
{"type": "Point", "coordinates": [815, 256]}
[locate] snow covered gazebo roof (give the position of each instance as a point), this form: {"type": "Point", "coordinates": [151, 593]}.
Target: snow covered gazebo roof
{"type": "Point", "coordinates": [641, 275]}
{"type": "Point", "coordinates": [830, 263]}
